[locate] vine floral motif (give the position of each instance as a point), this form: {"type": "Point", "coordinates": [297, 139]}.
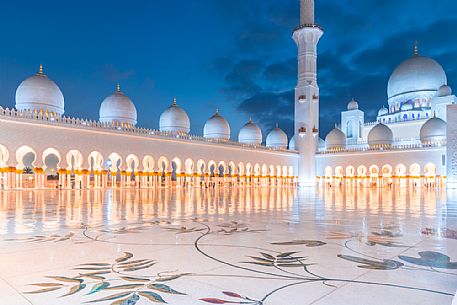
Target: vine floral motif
{"type": "Point", "coordinates": [114, 279]}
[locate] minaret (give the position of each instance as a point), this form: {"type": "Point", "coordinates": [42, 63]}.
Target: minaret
{"type": "Point", "coordinates": [307, 94]}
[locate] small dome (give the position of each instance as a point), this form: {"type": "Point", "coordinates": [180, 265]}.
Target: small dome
{"type": "Point", "coordinates": [335, 139]}
{"type": "Point", "coordinates": [433, 131]}
{"type": "Point", "coordinates": [383, 111]}
{"type": "Point", "coordinates": [406, 107]}
{"type": "Point", "coordinates": [217, 128]}
{"type": "Point", "coordinates": [321, 143]}
{"type": "Point", "coordinates": [174, 119]}
{"type": "Point", "coordinates": [416, 74]}
{"type": "Point", "coordinates": [277, 138]}
{"type": "Point", "coordinates": [353, 105]}
{"type": "Point", "coordinates": [292, 143]}
{"type": "Point", "coordinates": [380, 136]}
{"type": "Point", "coordinates": [38, 92]}
{"type": "Point", "coordinates": [118, 108]}
{"type": "Point", "coordinates": [444, 90]}
{"type": "Point", "coordinates": [250, 134]}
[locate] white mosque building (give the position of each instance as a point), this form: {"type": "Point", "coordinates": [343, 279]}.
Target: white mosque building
{"type": "Point", "coordinates": [407, 145]}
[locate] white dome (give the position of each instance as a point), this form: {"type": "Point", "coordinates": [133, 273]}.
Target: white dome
{"type": "Point", "coordinates": [414, 75]}
{"type": "Point", "coordinates": [217, 128]}
{"type": "Point", "coordinates": [38, 92]}
{"type": "Point", "coordinates": [434, 130]}
{"type": "Point", "coordinates": [292, 143]}
{"type": "Point", "coordinates": [353, 105]}
{"type": "Point", "coordinates": [277, 138]}
{"type": "Point", "coordinates": [320, 143]}
{"type": "Point", "coordinates": [383, 111]}
{"type": "Point", "coordinates": [335, 139]}
{"type": "Point", "coordinates": [118, 108]}
{"type": "Point", "coordinates": [380, 136]}
{"type": "Point", "coordinates": [250, 134]}
{"type": "Point", "coordinates": [444, 90]}
{"type": "Point", "coordinates": [174, 119]}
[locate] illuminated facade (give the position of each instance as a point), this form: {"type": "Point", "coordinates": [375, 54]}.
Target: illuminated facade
{"type": "Point", "coordinates": [407, 144]}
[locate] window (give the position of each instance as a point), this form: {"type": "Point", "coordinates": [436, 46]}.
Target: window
{"type": "Point", "coordinates": [405, 117]}
{"type": "Point", "coordinates": [443, 160]}
{"type": "Point", "coordinates": [349, 131]}
{"type": "Point", "coordinates": [413, 115]}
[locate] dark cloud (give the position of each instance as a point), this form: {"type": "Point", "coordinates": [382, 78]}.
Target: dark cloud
{"type": "Point", "coordinates": [356, 56]}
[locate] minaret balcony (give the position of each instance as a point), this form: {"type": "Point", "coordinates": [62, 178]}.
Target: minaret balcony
{"type": "Point", "coordinates": [304, 26]}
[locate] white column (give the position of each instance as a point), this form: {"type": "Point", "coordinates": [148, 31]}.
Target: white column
{"type": "Point", "coordinates": [307, 94]}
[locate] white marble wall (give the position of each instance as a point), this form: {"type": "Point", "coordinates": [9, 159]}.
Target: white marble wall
{"type": "Point", "coordinates": [451, 146]}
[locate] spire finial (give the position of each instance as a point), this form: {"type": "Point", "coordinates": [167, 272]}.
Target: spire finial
{"type": "Point", "coordinates": [174, 102]}
{"type": "Point", "coordinates": [217, 110]}
{"type": "Point", "coordinates": [41, 69]}
{"type": "Point", "coordinates": [277, 125]}
{"type": "Point", "coordinates": [118, 87]}
{"type": "Point", "coordinates": [416, 48]}
{"type": "Point", "coordinates": [250, 119]}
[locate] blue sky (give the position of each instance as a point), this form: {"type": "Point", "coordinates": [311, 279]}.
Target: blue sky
{"type": "Point", "coordinates": [235, 55]}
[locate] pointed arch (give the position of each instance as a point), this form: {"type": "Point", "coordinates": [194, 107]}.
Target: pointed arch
{"type": "Point", "coordinates": [148, 164]}
{"type": "Point", "coordinates": [20, 154]}
{"type": "Point", "coordinates": [132, 159]}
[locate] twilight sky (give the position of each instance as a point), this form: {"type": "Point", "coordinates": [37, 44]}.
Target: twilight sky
{"type": "Point", "coordinates": [235, 55]}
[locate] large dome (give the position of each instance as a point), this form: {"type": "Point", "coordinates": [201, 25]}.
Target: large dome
{"type": "Point", "coordinates": [277, 138]}
{"type": "Point", "coordinates": [433, 131]}
{"type": "Point", "coordinates": [174, 119]}
{"type": "Point", "coordinates": [417, 74]}
{"type": "Point", "coordinates": [335, 139]}
{"type": "Point", "coordinates": [217, 128]}
{"type": "Point", "coordinates": [38, 92]}
{"type": "Point", "coordinates": [118, 109]}
{"type": "Point", "coordinates": [250, 134]}
{"type": "Point", "coordinates": [292, 143]}
{"type": "Point", "coordinates": [380, 136]}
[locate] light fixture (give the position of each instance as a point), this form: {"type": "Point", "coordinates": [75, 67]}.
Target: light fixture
{"type": "Point", "coordinates": [302, 131]}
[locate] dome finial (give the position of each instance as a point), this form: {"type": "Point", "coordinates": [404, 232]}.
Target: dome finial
{"type": "Point", "coordinates": [217, 110]}
{"type": "Point", "coordinates": [250, 119]}
{"type": "Point", "coordinates": [41, 69]}
{"type": "Point", "coordinates": [174, 102]}
{"type": "Point", "coordinates": [277, 125]}
{"type": "Point", "coordinates": [416, 48]}
{"type": "Point", "coordinates": [118, 87]}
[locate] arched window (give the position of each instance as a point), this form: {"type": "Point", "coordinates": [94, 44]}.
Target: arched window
{"type": "Point", "coordinates": [349, 131]}
{"type": "Point", "coordinates": [413, 115]}
{"type": "Point", "coordinates": [405, 117]}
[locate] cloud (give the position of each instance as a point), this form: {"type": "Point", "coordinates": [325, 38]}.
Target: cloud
{"type": "Point", "coordinates": [356, 55]}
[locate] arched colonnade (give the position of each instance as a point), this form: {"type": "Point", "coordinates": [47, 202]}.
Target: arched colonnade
{"type": "Point", "coordinates": [399, 175]}
{"type": "Point", "coordinates": [25, 168]}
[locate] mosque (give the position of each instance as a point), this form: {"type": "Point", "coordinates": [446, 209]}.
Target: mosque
{"type": "Point", "coordinates": [407, 145]}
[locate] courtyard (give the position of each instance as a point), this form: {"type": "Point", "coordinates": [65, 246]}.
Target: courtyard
{"type": "Point", "coordinates": [228, 246]}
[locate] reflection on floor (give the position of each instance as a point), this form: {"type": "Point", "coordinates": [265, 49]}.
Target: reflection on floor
{"type": "Point", "coordinates": [228, 246]}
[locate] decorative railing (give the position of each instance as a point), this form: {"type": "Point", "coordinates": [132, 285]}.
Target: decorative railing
{"type": "Point", "coordinates": [55, 119]}
{"type": "Point", "coordinates": [394, 147]}
{"type": "Point", "coordinates": [308, 26]}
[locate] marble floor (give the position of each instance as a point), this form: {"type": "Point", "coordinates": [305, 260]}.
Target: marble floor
{"type": "Point", "coordinates": [229, 246]}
